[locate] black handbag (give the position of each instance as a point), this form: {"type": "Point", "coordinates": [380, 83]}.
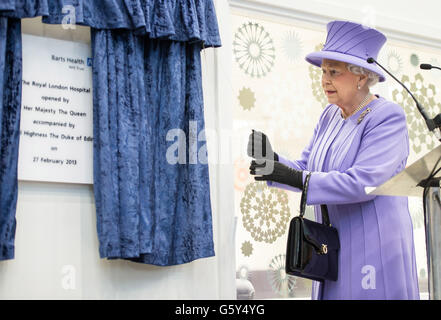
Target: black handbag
{"type": "Point", "coordinates": [312, 248]}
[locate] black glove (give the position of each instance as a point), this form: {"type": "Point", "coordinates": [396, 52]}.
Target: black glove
{"type": "Point", "coordinates": [268, 170]}
{"type": "Point", "coordinates": [259, 147]}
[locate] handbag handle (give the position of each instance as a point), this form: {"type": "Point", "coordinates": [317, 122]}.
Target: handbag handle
{"type": "Point", "coordinates": [323, 208]}
{"type": "Point", "coordinates": [304, 194]}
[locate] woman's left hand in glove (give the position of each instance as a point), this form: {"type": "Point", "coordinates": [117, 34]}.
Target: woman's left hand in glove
{"type": "Point", "coordinates": [268, 170]}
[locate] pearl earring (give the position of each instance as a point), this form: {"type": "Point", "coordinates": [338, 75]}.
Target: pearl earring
{"type": "Point", "coordinates": [358, 86]}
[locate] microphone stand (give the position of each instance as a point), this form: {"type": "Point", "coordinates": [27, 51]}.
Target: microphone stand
{"type": "Point", "coordinates": [431, 200]}
{"type": "Point", "coordinates": [434, 125]}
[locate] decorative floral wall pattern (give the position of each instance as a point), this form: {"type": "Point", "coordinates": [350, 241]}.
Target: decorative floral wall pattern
{"type": "Point", "coordinates": [425, 94]}
{"type": "Point", "coordinates": [254, 50]}
{"type": "Point", "coordinates": [265, 212]}
{"type": "Point", "coordinates": [247, 249]}
{"type": "Point", "coordinates": [246, 98]}
{"type": "Point", "coordinates": [292, 46]}
{"type": "Point", "coordinates": [394, 62]}
{"type": "Point", "coordinates": [316, 77]}
{"type": "Point", "coordinates": [282, 283]}
{"type": "Point", "coordinates": [279, 93]}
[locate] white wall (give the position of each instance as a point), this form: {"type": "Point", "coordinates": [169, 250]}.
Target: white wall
{"type": "Point", "coordinates": [403, 19]}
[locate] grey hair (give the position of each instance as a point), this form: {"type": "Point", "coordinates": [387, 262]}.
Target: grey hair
{"type": "Point", "coordinates": [373, 78]}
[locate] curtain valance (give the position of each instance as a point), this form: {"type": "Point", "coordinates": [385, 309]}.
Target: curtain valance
{"type": "Point", "coordinates": [178, 20]}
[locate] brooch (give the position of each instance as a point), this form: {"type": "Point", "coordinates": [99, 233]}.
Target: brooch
{"type": "Point", "coordinates": [363, 114]}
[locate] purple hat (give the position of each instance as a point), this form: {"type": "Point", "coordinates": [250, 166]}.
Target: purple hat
{"type": "Point", "coordinates": [351, 43]}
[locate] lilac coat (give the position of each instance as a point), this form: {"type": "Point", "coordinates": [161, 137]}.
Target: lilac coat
{"type": "Point", "coordinates": [377, 255]}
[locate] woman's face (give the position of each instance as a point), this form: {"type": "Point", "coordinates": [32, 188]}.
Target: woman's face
{"type": "Point", "coordinates": [340, 85]}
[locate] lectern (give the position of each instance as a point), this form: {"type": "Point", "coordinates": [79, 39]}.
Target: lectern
{"type": "Point", "coordinates": [411, 182]}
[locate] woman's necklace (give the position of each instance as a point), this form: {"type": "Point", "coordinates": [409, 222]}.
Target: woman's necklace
{"type": "Point", "coordinates": [362, 105]}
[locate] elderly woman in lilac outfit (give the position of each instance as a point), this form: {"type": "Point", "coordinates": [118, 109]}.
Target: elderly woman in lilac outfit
{"type": "Point", "coordinates": [360, 141]}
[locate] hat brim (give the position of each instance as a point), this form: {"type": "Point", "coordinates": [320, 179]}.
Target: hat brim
{"type": "Point", "coordinates": [316, 58]}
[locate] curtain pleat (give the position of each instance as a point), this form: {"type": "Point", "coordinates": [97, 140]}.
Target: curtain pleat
{"type": "Point", "coordinates": [149, 209]}
{"type": "Point", "coordinates": [10, 106]}
{"type": "Point", "coordinates": [179, 20]}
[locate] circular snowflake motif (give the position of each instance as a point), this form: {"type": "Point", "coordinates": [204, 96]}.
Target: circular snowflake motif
{"type": "Point", "coordinates": [394, 62]}
{"type": "Point", "coordinates": [246, 98]}
{"type": "Point", "coordinates": [254, 50]}
{"type": "Point", "coordinates": [414, 60]}
{"type": "Point", "coordinates": [244, 273]}
{"type": "Point", "coordinates": [292, 46]}
{"type": "Point", "coordinates": [281, 282]}
{"type": "Point", "coordinates": [265, 212]}
{"type": "Point", "coordinates": [247, 249]}
{"type": "Point", "coordinates": [315, 74]}
{"type": "Point", "coordinates": [418, 133]}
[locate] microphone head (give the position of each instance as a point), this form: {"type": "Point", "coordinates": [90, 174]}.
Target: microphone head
{"type": "Point", "coordinates": [370, 60]}
{"type": "Point", "coordinates": [425, 66]}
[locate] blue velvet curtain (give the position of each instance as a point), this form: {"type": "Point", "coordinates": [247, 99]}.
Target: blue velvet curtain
{"type": "Point", "coordinates": [147, 83]}
{"type": "Point", "coordinates": [148, 210]}
{"type": "Point", "coordinates": [10, 106]}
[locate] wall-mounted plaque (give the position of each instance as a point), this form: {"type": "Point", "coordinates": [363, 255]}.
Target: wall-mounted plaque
{"type": "Point", "coordinates": [56, 133]}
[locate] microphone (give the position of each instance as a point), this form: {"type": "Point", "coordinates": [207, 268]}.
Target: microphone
{"type": "Point", "coordinates": [429, 122]}
{"type": "Point", "coordinates": [426, 66]}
